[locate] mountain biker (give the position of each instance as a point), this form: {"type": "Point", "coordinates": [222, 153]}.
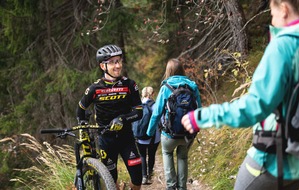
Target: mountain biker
{"type": "Point", "coordinates": [116, 102]}
{"type": "Point", "coordinates": [174, 76]}
{"type": "Point", "coordinates": [272, 85]}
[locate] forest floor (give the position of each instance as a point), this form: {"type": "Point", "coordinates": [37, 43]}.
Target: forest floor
{"type": "Point", "coordinates": [158, 180]}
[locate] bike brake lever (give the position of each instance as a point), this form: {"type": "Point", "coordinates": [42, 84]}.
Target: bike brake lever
{"type": "Point", "coordinates": [65, 134]}
{"type": "Point", "coordinates": [104, 130]}
{"type": "Point", "coordinates": [61, 135]}
{"type": "Point", "coordinates": [71, 134]}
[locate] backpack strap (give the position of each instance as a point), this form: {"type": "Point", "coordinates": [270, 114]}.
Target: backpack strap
{"type": "Point", "coordinates": [163, 128]}
{"type": "Point", "coordinates": [150, 102]}
{"type": "Point", "coordinates": [169, 86]}
{"type": "Point", "coordinates": [184, 85]}
{"type": "Point", "coordinates": [283, 132]}
{"type": "Point", "coordinates": [280, 136]}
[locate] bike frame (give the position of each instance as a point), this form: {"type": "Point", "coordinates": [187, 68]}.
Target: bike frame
{"type": "Point", "coordinates": [85, 142]}
{"type": "Point", "coordinates": [89, 150]}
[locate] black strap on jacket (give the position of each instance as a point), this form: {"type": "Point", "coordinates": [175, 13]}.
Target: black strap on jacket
{"type": "Point", "coordinates": [285, 132]}
{"type": "Point", "coordinates": [280, 143]}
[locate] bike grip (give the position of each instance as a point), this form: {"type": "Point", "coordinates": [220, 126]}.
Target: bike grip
{"type": "Point", "coordinates": [42, 131]}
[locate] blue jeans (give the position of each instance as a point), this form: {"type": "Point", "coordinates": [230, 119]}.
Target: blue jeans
{"type": "Point", "coordinates": [175, 179]}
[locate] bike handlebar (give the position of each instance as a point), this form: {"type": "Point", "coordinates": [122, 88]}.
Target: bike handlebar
{"type": "Point", "coordinates": [43, 131]}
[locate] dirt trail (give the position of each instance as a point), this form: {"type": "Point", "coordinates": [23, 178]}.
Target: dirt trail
{"type": "Point", "coordinates": [159, 182]}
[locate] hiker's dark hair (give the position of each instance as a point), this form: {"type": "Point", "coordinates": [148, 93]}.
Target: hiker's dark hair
{"type": "Point", "coordinates": [173, 67]}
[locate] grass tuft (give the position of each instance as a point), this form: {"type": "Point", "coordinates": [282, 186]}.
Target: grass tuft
{"type": "Point", "coordinates": [53, 166]}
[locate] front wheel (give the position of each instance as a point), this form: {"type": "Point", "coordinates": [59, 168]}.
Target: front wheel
{"type": "Point", "coordinates": [96, 176]}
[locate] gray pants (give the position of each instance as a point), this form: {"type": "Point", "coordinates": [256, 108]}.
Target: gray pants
{"type": "Point", "coordinates": [175, 179]}
{"type": "Point", "coordinates": [251, 176]}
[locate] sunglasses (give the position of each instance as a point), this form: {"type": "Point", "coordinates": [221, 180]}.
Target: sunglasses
{"type": "Point", "coordinates": [113, 61]}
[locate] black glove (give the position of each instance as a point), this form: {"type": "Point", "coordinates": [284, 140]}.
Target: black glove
{"type": "Point", "coordinates": [116, 124]}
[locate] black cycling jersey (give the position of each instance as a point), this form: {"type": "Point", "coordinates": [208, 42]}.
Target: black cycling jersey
{"type": "Point", "coordinates": [112, 99]}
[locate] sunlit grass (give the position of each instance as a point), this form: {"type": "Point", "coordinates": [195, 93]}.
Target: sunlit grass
{"type": "Point", "coordinates": [215, 160]}
{"type": "Point", "coordinates": [53, 167]}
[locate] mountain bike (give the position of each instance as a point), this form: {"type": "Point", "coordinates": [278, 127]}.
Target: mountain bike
{"type": "Point", "coordinates": [91, 173]}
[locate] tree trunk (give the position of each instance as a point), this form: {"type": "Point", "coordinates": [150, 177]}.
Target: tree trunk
{"type": "Point", "coordinates": [236, 20]}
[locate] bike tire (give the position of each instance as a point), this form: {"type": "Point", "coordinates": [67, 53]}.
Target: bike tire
{"type": "Point", "coordinates": [101, 180]}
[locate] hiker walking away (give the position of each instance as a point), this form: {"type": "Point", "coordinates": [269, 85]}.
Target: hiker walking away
{"type": "Point", "coordinates": [148, 148]}
{"type": "Point", "coordinates": [272, 85]}
{"type": "Point", "coordinates": [174, 76]}
{"type": "Point", "coordinates": [116, 102]}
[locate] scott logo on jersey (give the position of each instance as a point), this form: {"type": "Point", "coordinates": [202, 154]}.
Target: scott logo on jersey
{"type": "Point", "coordinates": [113, 97]}
{"type": "Point", "coordinates": [112, 94]}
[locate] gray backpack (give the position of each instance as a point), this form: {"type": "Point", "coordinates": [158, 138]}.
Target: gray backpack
{"type": "Point", "coordinates": [285, 140]}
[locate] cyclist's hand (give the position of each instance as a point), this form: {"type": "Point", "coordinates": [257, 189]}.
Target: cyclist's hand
{"type": "Point", "coordinates": [116, 124]}
{"type": "Point", "coordinates": [82, 122]}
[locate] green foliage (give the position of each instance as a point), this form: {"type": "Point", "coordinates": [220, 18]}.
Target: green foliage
{"type": "Point", "coordinates": [63, 79]}
{"type": "Point", "coordinates": [135, 4]}
{"type": "Point", "coordinates": [4, 167]}
{"type": "Point", "coordinates": [19, 20]}
{"type": "Point", "coordinates": [149, 72]}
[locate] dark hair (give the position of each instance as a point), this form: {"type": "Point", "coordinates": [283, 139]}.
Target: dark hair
{"type": "Point", "coordinates": [173, 67]}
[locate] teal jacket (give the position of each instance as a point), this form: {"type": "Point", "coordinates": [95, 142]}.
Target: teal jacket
{"type": "Point", "coordinates": [163, 95]}
{"type": "Point", "coordinates": [272, 84]}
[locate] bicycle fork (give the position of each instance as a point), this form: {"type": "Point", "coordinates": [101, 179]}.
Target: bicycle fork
{"type": "Point", "coordinates": [78, 177]}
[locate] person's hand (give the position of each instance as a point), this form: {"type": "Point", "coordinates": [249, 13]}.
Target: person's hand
{"type": "Point", "coordinates": [116, 124]}
{"type": "Point", "coordinates": [187, 123]}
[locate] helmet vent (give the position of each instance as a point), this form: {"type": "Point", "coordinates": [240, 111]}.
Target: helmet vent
{"type": "Point", "coordinates": [108, 51]}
